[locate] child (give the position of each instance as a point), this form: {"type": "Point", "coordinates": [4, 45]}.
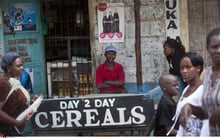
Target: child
{"type": "Point", "coordinates": [166, 107]}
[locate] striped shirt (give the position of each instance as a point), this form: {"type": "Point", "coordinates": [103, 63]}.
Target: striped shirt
{"type": "Point", "coordinates": [211, 99]}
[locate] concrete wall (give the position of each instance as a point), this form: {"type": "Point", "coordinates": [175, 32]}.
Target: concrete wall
{"type": "Point", "coordinates": [152, 37]}
{"type": "Point", "coordinates": [203, 16]}
{"type": "Point", "coordinates": [197, 17]}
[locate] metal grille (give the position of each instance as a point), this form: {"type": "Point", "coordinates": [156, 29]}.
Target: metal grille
{"type": "Point", "coordinates": [66, 20]}
{"type": "Point", "coordinates": [66, 29]}
{"type": "Point", "coordinates": [67, 17]}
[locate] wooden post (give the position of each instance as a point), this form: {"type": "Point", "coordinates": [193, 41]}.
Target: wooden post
{"type": "Point", "coordinates": [138, 42]}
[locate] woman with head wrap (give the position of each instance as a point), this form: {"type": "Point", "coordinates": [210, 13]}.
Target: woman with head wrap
{"type": "Point", "coordinates": [14, 98]}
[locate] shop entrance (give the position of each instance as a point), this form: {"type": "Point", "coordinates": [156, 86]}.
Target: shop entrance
{"type": "Point", "coordinates": [67, 47]}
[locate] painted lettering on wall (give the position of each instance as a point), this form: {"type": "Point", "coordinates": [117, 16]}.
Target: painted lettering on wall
{"type": "Point", "coordinates": [172, 19]}
{"type": "Point", "coordinates": [21, 46]}
{"type": "Point", "coordinates": [93, 112]}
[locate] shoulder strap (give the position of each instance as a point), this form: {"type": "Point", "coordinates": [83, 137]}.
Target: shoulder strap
{"type": "Point", "coordinates": [16, 84]}
{"type": "Point", "coordinates": [13, 87]}
{"type": "Point", "coordinates": [9, 94]}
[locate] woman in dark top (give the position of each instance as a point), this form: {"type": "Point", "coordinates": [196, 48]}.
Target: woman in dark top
{"type": "Point", "coordinates": [174, 50]}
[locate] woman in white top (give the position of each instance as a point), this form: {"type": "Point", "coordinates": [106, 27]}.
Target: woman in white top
{"type": "Point", "coordinates": [191, 66]}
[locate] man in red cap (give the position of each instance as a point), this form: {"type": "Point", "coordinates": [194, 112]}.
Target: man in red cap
{"type": "Point", "coordinates": [110, 75]}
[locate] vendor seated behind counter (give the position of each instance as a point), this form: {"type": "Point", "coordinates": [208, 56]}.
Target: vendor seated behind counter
{"type": "Point", "coordinates": [110, 75]}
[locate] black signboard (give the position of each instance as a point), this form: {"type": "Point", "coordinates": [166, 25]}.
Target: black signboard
{"type": "Point", "coordinates": [93, 112]}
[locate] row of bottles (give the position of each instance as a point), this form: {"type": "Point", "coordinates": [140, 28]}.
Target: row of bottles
{"type": "Point", "coordinates": [85, 78]}
{"type": "Point", "coordinates": [78, 83]}
{"type": "Point", "coordinates": [60, 71]}
{"type": "Point", "coordinates": [85, 84]}
{"type": "Point", "coordinates": [60, 75]}
{"type": "Point", "coordinates": [63, 89]}
{"type": "Point", "coordinates": [64, 92]}
{"type": "Point", "coordinates": [83, 89]}
{"type": "Point", "coordinates": [110, 23]}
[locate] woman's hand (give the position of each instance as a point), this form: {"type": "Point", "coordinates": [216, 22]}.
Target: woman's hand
{"type": "Point", "coordinates": [215, 117]}
{"type": "Point", "coordinates": [185, 113]}
{"type": "Point", "coordinates": [35, 98]}
{"type": "Point", "coordinates": [29, 115]}
{"type": "Point", "coordinates": [21, 124]}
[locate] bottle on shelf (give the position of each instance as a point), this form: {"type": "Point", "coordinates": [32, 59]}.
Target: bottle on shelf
{"type": "Point", "coordinates": [54, 75]}
{"type": "Point", "coordinates": [61, 93]}
{"type": "Point", "coordinates": [59, 75]}
{"type": "Point", "coordinates": [65, 74]}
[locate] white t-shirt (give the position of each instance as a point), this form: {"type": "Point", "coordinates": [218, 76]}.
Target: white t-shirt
{"type": "Point", "coordinates": [194, 125]}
